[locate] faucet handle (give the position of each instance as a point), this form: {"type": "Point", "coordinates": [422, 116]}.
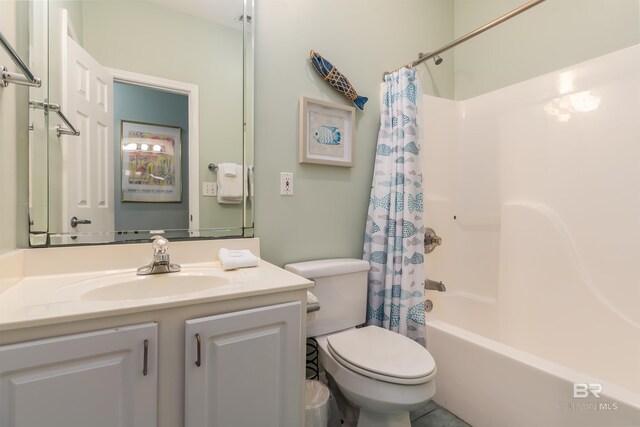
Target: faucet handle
{"type": "Point", "coordinates": [160, 244]}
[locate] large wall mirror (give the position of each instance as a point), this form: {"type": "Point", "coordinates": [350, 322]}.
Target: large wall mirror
{"type": "Point", "coordinates": [145, 123]}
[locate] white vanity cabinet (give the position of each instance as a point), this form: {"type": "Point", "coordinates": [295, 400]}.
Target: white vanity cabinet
{"type": "Point", "coordinates": [102, 378]}
{"type": "Point", "coordinates": [243, 368]}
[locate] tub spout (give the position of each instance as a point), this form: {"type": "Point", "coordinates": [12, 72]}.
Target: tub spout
{"type": "Point", "coordinates": [432, 285]}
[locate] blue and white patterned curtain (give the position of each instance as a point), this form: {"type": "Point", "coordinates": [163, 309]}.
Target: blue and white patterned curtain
{"type": "Point", "coordinates": [394, 234]}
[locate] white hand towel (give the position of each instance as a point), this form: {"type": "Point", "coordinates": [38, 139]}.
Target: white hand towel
{"type": "Point", "coordinates": [313, 306]}
{"type": "Point", "coordinates": [230, 188]}
{"type": "Point", "coordinates": [311, 298]}
{"type": "Point", "coordinates": [228, 169]}
{"type": "Point", "coordinates": [232, 259]}
{"type": "Point", "coordinates": [250, 181]}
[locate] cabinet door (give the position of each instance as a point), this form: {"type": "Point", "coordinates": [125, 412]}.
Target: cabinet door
{"type": "Point", "coordinates": [250, 368]}
{"type": "Point", "coordinates": [86, 380]}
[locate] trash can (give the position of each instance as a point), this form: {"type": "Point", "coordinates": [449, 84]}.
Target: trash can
{"type": "Point", "coordinates": [316, 412]}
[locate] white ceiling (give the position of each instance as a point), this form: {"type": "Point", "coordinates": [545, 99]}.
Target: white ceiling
{"type": "Point", "coordinates": [222, 12]}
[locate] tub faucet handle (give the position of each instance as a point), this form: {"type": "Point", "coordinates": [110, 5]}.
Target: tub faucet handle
{"type": "Point", "coordinates": [431, 240]}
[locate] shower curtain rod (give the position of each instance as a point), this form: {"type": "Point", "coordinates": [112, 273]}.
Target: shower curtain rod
{"type": "Point", "coordinates": [424, 57]}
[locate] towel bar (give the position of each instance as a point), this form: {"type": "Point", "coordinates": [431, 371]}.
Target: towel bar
{"type": "Point", "coordinates": [6, 77]}
{"type": "Point", "coordinates": [69, 130]}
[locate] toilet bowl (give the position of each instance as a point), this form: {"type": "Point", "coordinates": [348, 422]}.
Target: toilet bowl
{"type": "Point", "coordinates": [384, 389]}
{"type": "Point", "coordinates": [382, 373]}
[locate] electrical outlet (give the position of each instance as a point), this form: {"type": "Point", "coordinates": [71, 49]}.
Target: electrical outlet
{"type": "Point", "coordinates": [286, 183]}
{"type": "Point", "coordinates": [210, 189]}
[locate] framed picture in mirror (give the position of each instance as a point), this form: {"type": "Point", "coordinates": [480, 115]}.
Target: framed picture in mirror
{"type": "Point", "coordinates": [326, 133]}
{"type": "Point", "coordinates": [150, 163]}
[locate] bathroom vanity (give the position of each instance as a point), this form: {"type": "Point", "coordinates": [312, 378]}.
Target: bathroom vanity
{"type": "Point", "coordinates": [80, 346]}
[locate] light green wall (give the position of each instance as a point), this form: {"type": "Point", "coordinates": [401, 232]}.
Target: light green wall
{"type": "Point", "coordinates": [551, 36]}
{"type": "Point", "coordinates": [146, 38]}
{"type": "Point", "coordinates": [74, 10]}
{"type": "Point", "coordinates": [13, 133]}
{"type": "Point", "coordinates": [362, 38]}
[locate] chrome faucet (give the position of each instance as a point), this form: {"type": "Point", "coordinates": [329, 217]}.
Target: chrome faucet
{"type": "Point", "coordinates": [160, 263]}
{"type": "Point", "coordinates": [432, 285]}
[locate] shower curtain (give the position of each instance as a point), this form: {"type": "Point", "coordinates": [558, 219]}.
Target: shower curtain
{"type": "Point", "coordinates": [394, 235]}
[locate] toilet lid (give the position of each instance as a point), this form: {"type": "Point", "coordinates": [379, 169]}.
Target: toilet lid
{"type": "Point", "coordinates": [382, 354]}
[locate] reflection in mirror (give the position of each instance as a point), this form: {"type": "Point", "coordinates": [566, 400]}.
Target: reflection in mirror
{"type": "Point", "coordinates": [38, 125]}
{"type": "Point", "coordinates": [156, 90]}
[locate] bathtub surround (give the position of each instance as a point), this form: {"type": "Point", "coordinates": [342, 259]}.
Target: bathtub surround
{"type": "Point", "coordinates": [393, 242]}
{"type": "Point", "coordinates": [517, 182]}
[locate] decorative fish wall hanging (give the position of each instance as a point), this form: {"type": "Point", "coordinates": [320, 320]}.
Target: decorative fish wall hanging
{"type": "Point", "coordinates": [327, 135]}
{"type": "Point", "coordinates": [336, 79]}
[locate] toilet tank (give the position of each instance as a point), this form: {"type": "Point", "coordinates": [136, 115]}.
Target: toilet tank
{"type": "Point", "coordinates": [341, 289]}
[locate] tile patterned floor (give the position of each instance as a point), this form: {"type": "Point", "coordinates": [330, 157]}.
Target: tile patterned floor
{"type": "Point", "coordinates": [434, 415]}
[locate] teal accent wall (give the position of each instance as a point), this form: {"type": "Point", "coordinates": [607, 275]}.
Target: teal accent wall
{"type": "Point", "coordinates": [142, 104]}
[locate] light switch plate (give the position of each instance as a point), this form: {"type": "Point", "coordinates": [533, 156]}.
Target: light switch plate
{"type": "Point", "coordinates": [286, 183]}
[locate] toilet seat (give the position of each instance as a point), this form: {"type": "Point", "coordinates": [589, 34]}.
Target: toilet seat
{"type": "Point", "coordinates": [383, 355]}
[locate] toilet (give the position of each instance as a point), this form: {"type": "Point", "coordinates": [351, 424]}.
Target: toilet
{"type": "Point", "coordinates": [382, 373]}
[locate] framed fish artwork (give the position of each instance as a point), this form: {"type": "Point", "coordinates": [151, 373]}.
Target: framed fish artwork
{"type": "Point", "coordinates": [327, 133]}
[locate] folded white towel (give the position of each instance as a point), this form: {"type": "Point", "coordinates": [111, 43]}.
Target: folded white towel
{"type": "Point", "coordinates": [311, 298]}
{"type": "Point", "coordinates": [228, 169]}
{"type": "Point", "coordinates": [230, 188]}
{"type": "Point", "coordinates": [250, 181]}
{"type": "Point", "coordinates": [313, 306]}
{"type": "Point", "coordinates": [232, 259]}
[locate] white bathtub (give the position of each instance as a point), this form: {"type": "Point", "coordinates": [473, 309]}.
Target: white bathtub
{"type": "Point", "coordinates": [536, 194]}
{"type": "Point", "coordinates": [489, 384]}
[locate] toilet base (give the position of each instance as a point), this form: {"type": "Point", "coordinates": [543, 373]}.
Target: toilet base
{"type": "Point", "coordinates": [376, 419]}
{"type": "Point", "coordinates": [353, 416]}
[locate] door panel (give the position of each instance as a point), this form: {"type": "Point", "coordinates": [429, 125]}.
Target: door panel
{"type": "Point", "coordinates": [88, 181]}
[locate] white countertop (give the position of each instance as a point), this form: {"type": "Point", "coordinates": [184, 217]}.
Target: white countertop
{"type": "Point", "coordinates": [45, 299]}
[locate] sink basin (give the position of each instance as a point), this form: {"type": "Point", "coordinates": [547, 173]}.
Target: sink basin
{"type": "Point", "coordinates": [155, 286]}
{"type": "Point", "coordinates": [128, 286]}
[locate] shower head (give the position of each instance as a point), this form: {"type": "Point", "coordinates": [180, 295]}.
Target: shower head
{"type": "Point", "coordinates": [437, 59]}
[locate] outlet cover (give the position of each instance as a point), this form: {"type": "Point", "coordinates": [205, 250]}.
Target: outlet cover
{"type": "Point", "coordinates": [209, 189]}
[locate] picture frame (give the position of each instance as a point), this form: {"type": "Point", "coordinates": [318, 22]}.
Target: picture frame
{"type": "Point", "coordinates": [151, 162]}
{"type": "Point", "coordinates": [327, 133]}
